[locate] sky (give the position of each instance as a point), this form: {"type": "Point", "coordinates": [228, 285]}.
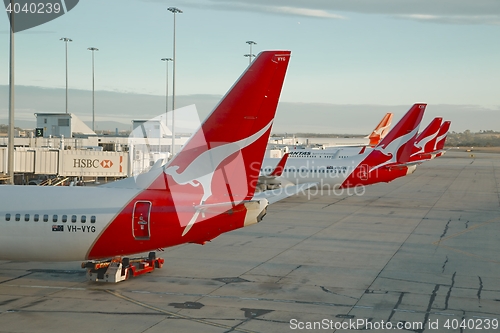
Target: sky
{"type": "Point", "coordinates": [346, 55]}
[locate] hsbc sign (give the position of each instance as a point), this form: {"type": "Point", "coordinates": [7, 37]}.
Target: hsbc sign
{"type": "Point", "coordinates": [93, 163]}
{"type": "Point", "coordinates": [85, 163]}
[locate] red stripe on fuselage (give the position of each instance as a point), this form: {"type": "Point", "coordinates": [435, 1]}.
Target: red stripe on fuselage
{"type": "Point", "coordinates": [165, 229]}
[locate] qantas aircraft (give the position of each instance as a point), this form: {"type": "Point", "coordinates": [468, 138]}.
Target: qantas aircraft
{"type": "Point", "coordinates": [390, 159]}
{"type": "Point", "coordinates": [207, 189]}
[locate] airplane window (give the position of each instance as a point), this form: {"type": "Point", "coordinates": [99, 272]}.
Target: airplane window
{"type": "Point", "coordinates": [27, 217]}
{"type": "Point", "coordinates": [18, 217]}
{"type": "Point", "coordinates": [65, 218]}
{"type": "Point", "coordinates": [45, 218]}
{"type": "Point", "coordinates": [7, 217]}
{"type": "Point", "coordinates": [73, 218]}
{"type": "Point", "coordinates": [35, 217]}
{"type": "Point", "coordinates": [54, 218]}
{"type": "Point", "coordinates": [84, 218]}
{"type": "Point", "coordinates": [92, 219]}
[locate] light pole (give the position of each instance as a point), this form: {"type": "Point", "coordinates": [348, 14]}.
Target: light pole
{"type": "Point", "coordinates": [174, 10]}
{"type": "Point", "coordinates": [250, 55]}
{"type": "Point", "coordinates": [10, 149]}
{"type": "Point", "coordinates": [66, 40]}
{"type": "Point", "coordinates": [93, 113]}
{"type": "Point", "coordinates": [166, 89]}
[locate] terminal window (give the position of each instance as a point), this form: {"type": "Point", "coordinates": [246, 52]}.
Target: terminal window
{"type": "Point", "coordinates": [63, 122]}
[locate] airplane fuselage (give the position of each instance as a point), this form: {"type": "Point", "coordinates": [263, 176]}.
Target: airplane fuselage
{"type": "Point", "coordinates": [83, 223]}
{"type": "Point", "coordinates": [333, 173]}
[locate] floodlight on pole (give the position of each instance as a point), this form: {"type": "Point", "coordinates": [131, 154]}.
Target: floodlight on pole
{"type": "Point", "coordinates": [93, 113]}
{"type": "Point", "coordinates": [166, 88]}
{"type": "Point", "coordinates": [174, 10]}
{"type": "Point", "coordinates": [66, 40]}
{"type": "Point", "coordinates": [250, 55]}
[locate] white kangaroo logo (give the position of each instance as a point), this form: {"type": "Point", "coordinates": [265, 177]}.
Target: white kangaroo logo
{"type": "Point", "coordinates": [393, 147]}
{"type": "Point", "coordinates": [441, 137]}
{"type": "Point", "coordinates": [421, 144]}
{"type": "Point", "coordinates": [379, 130]}
{"type": "Point", "coordinates": [201, 170]}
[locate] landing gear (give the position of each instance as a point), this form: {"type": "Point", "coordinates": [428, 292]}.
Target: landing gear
{"type": "Point", "coordinates": [120, 269]}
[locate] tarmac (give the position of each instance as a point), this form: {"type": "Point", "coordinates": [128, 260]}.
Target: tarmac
{"type": "Point", "coordinates": [421, 252]}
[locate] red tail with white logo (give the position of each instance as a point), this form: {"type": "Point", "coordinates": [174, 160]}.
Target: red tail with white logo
{"type": "Point", "coordinates": [443, 132]}
{"type": "Point", "coordinates": [206, 189]}
{"type": "Point", "coordinates": [278, 171]}
{"type": "Point", "coordinates": [441, 139]}
{"type": "Point", "coordinates": [381, 130]}
{"type": "Point", "coordinates": [394, 149]}
{"type": "Point", "coordinates": [426, 141]}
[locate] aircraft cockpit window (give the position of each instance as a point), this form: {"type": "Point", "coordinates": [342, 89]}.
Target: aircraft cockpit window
{"type": "Point", "coordinates": [7, 217]}
{"type": "Point", "coordinates": [18, 217]}
{"type": "Point", "coordinates": [92, 219]}
{"type": "Point", "coordinates": [65, 218]}
{"type": "Point", "coordinates": [54, 218]}
{"type": "Point", "coordinates": [36, 217]}
{"type": "Point", "coordinates": [27, 217]}
{"type": "Point", "coordinates": [73, 218]}
{"type": "Point", "coordinates": [45, 218]}
{"type": "Point", "coordinates": [84, 218]}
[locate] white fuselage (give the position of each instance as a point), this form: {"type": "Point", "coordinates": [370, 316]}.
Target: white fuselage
{"type": "Point", "coordinates": [327, 172]}
{"type": "Point", "coordinates": [335, 153]}
{"type": "Point", "coordinates": [56, 223]}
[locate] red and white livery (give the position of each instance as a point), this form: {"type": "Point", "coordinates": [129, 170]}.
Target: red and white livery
{"type": "Point", "coordinates": [207, 189]}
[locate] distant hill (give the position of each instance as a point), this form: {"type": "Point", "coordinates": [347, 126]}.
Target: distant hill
{"type": "Point", "coordinates": [117, 109]}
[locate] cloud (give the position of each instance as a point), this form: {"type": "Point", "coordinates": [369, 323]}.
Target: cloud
{"type": "Point", "coordinates": [437, 11]}
{"type": "Point", "coordinates": [454, 19]}
{"type": "Point", "coordinates": [280, 7]}
{"type": "Point", "coordinates": [304, 12]}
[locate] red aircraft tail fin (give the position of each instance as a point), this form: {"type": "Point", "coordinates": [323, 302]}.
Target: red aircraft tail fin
{"type": "Point", "coordinates": [381, 130]}
{"type": "Point", "coordinates": [426, 140]}
{"type": "Point", "coordinates": [396, 147]}
{"type": "Point", "coordinates": [443, 132]}
{"type": "Point", "coordinates": [278, 171]}
{"type": "Point", "coordinates": [225, 154]}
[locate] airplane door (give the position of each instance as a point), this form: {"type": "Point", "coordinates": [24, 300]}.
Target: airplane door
{"type": "Point", "coordinates": [140, 220]}
{"type": "Point", "coordinates": [363, 172]}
